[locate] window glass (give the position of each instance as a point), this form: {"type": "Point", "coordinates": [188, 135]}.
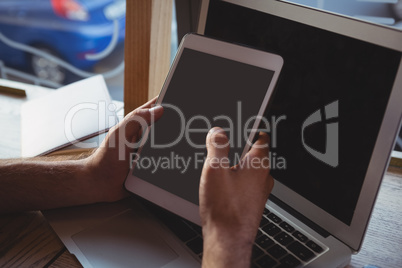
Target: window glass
{"type": "Point", "coordinates": [56, 42]}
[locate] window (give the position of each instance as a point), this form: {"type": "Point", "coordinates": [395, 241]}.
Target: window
{"type": "Point", "coordinates": [56, 42]}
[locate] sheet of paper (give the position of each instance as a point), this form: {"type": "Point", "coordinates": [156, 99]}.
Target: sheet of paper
{"type": "Point", "coordinates": [68, 116]}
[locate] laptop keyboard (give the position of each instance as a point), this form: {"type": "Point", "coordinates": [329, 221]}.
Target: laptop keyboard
{"type": "Point", "coordinates": [278, 244]}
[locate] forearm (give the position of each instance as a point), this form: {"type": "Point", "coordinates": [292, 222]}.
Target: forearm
{"type": "Point", "coordinates": [37, 184]}
{"type": "Point", "coordinates": [226, 251]}
{"type": "Point", "coordinates": [32, 184]}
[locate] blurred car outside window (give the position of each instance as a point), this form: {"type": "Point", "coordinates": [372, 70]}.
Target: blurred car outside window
{"type": "Point", "coordinates": [56, 42]}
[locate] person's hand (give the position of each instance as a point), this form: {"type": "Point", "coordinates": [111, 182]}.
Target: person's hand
{"type": "Point", "coordinates": [232, 200]}
{"type": "Point", "coordinates": [43, 183]}
{"type": "Point", "coordinates": [110, 163]}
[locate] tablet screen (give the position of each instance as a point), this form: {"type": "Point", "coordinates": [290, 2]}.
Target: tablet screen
{"type": "Point", "coordinates": [204, 91]}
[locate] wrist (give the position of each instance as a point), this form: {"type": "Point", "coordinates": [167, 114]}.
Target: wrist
{"type": "Point", "coordinates": [228, 236]}
{"type": "Point", "coordinates": [243, 233]}
{"type": "Point", "coordinates": [226, 247]}
{"type": "Point", "coordinates": [105, 180]}
{"type": "Point", "coordinates": [85, 177]}
{"type": "Point", "coordinates": [92, 181]}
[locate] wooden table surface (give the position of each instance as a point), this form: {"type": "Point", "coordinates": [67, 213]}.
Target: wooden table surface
{"type": "Point", "coordinates": [27, 240]}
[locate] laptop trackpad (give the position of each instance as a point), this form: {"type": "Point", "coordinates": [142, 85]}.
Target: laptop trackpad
{"type": "Point", "coordinates": [130, 239]}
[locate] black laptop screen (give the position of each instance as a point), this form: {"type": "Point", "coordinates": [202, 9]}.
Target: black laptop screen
{"type": "Point", "coordinates": [329, 102]}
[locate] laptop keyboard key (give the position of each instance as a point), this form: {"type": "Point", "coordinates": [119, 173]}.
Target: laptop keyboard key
{"type": "Point", "coordinates": [257, 252]}
{"type": "Point", "coordinates": [264, 242]}
{"type": "Point", "coordinates": [274, 218]}
{"type": "Point", "coordinates": [301, 251]}
{"type": "Point", "coordinates": [266, 211]}
{"type": "Point", "coordinates": [301, 237]}
{"type": "Point", "coordinates": [283, 238]}
{"type": "Point", "coordinates": [277, 251]}
{"type": "Point", "coordinates": [287, 227]}
{"type": "Point", "coordinates": [253, 265]}
{"type": "Point", "coordinates": [314, 246]}
{"type": "Point", "coordinates": [289, 261]}
{"type": "Point", "coordinates": [264, 221]}
{"type": "Point", "coordinates": [271, 229]}
{"type": "Point", "coordinates": [259, 233]}
{"type": "Point", "coordinates": [195, 245]}
{"type": "Point", "coordinates": [266, 262]}
{"type": "Point", "coordinates": [195, 227]}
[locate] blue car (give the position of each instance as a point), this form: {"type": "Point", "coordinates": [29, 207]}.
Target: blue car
{"type": "Point", "coordinates": [53, 38]}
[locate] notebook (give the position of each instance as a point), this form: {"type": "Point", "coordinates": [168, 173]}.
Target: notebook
{"type": "Point", "coordinates": [337, 110]}
{"type": "Point", "coordinates": [69, 115]}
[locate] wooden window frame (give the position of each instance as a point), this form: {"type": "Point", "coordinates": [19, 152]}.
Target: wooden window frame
{"type": "Point", "coordinates": [147, 50]}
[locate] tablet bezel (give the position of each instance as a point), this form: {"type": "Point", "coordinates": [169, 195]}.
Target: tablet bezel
{"type": "Point", "coordinates": [273, 62]}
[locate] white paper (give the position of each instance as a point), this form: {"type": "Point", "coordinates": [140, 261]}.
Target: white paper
{"type": "Point", "coordinates": [69, 115]}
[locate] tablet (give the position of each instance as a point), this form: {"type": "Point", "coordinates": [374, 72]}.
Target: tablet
{"type": "Point", "coordinates": [211, 83]}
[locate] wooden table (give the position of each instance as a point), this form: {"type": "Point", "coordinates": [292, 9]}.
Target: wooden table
{"type": "Point", "coordinates": [27, 240]}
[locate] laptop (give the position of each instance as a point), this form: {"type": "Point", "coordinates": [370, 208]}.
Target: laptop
{"type": "Point", "coordinates": [337, 109]}
{"type": "Point", "coordinates": [337, 113]}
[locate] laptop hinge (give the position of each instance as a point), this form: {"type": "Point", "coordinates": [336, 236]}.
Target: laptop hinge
{"type": "Point", "coordinates": [299, 216]}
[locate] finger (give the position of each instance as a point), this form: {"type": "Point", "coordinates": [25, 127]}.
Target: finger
{"type": "Point", "coordinates": [261, 147]}
{"type": "Point", "coordinates": [218, 146]}
{"type": "Point", "coordinates": [155, 112]}
{"type": "Point", "coordinates": [140, 119]}
{"type": "Point", "coordinates": [259, 150]}
{"type": "Point", "coordinates": [149, 104]}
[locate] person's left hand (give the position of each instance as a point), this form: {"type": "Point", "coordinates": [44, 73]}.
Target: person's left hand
{"type": "Point", "coordinates": [232, 200]}
{"type": "Point", "coordinates": [110, 163]}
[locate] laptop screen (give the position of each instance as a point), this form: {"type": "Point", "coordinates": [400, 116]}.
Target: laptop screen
{"type": "Point", "coordinates": [328, 105]}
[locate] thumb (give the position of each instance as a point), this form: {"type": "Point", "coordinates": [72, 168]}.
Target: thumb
{"type": "Point", "coordinates": [139, 119]}
{"type": "Point", "coordinates": [217, 144]}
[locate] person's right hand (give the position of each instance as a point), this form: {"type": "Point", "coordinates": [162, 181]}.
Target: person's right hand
{"type": "Point", "coordinates": [232, 200]}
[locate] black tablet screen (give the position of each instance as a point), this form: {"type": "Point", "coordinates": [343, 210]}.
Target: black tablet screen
{"type": "Point", "coordinates": [205, 91]}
